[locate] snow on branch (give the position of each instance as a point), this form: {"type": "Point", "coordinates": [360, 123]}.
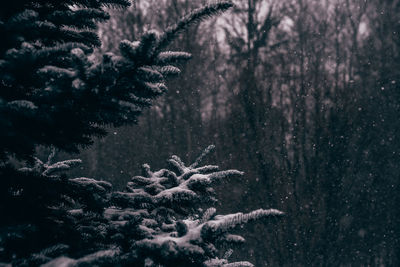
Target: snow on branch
{"type": "Point", "coordinates": [158, 218]}
{"type": "Point", "coordinates": [193, 17]}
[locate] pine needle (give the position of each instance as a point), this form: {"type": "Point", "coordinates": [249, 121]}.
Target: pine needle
{"type": "Point", "coordinates": [193, 17]}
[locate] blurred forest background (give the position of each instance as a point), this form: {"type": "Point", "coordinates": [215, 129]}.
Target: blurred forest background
{"type": "Point", "coordinates": [302, 95]}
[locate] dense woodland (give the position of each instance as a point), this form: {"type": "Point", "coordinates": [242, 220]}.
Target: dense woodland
{"type": "Point", "coordinates": [301, 95]}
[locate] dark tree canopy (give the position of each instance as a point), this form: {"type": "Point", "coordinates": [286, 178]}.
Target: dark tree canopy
{"type": "Point", "coordinates": [55, 93]}
{"type": "Point", "coordinates": [54, 90]}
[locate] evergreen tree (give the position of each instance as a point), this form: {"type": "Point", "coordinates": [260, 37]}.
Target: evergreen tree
{"type": "Point", "coordinates": [55, 93]}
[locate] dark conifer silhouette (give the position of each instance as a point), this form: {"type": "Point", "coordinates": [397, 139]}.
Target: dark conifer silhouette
{"type": "Point", "coordinates": [55, 93]}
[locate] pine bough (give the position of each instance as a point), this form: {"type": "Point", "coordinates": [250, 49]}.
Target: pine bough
{"type": "Point", "coordinates": [156, 221]}
{"type": "Point", "coordinates": [54, 93]}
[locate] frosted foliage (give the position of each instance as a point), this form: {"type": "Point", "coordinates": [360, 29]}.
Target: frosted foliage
{"type": "Point", "coordinates": [57, 93]}
{"type": "Point", "coordinates": [48, 168]}
{"type": "Point", "coordinates": [155, 221]}
{"type": "Point", "coordinates": [178, 192]}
